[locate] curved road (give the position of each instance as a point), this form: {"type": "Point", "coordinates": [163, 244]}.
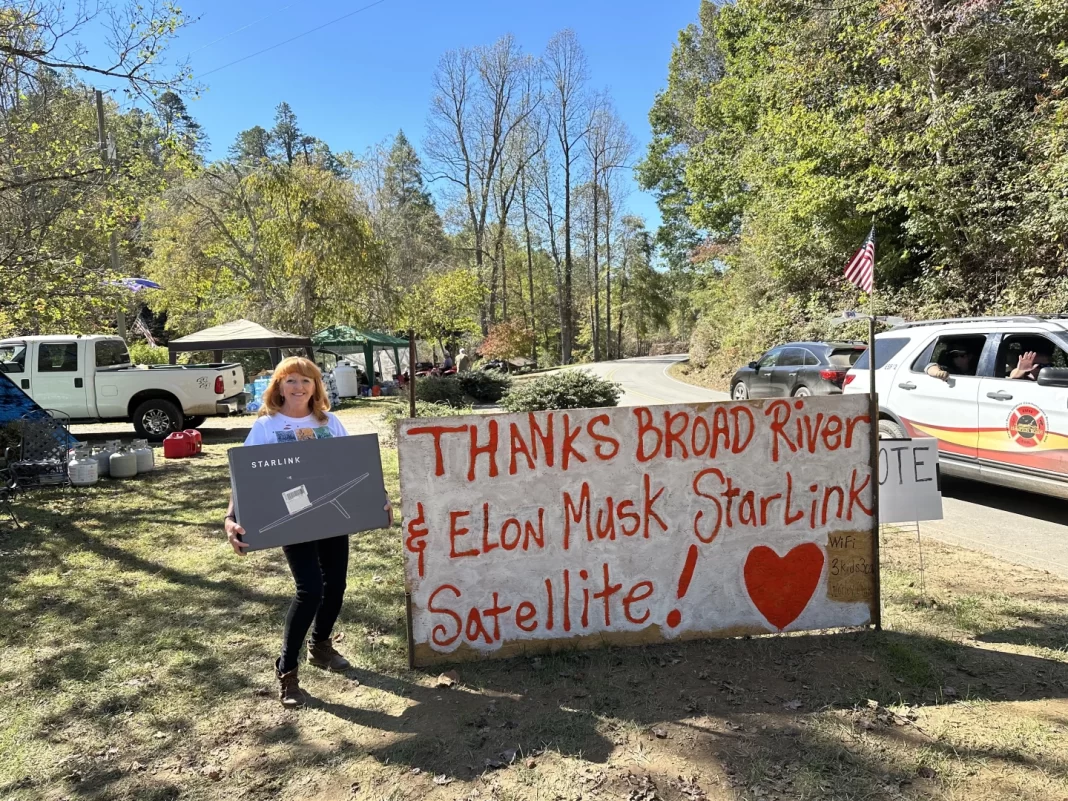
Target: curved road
{"type": "Point", "coordinates": [1020, 527]}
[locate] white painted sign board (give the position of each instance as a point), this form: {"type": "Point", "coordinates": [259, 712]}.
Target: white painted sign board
{"type": "Point", "coordinates": [535, 532]}
{"type": "Point", "coordinates": [908, 480]}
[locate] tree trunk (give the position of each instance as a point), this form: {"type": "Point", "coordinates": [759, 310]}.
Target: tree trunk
{"type": "Point", "coordinates": [530, 272]}
{"type": "Point", "coordinates": [595, 328]}
{"type": "Point", "coordinates": [607, 270]}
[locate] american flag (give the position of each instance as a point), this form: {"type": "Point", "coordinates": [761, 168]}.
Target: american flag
{"type": "Point", "coordinates": [861, 268]}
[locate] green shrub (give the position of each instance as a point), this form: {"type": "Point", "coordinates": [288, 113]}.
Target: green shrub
{"type": "Point", "coordinates": [485, 386]}
{"type": "Point", "coordinates": [567, 389]}
{"type": "Point", "coordinates": [422, 409]}
{"type": "Point", "coordinates": [143, 353]}
{"type": "Point", "coordinates": [443, 389]}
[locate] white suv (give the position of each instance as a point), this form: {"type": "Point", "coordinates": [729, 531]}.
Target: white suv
{"type": "Point", "coordinates": [989, 426]}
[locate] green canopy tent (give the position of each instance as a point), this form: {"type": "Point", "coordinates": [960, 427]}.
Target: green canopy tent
{"type": "Point", "coordinates": [346, 339]}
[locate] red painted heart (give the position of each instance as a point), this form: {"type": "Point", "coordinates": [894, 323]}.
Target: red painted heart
{"type": "Point", "coordinates": [781, 586]}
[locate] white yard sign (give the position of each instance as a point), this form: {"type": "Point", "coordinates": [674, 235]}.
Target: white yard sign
{"type": "Point", "coordinates": [908, 480]}
{"type": "Point", "coordinates": [633, 525]}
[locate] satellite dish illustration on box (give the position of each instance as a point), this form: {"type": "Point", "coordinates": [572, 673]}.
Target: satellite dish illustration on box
{"type": "Point", "coordinates": [297, 502]}
{"type": "Point", "coordinates": [305, 490]}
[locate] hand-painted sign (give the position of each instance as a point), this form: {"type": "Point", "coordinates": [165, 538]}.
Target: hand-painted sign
{"type": "Point", "coordinates": [559, 529]}
{"type": "Point", "coordinates": [908, 480]}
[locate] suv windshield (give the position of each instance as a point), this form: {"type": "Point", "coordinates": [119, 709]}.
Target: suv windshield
{"type": "Point", "coordinates": [12, 357]}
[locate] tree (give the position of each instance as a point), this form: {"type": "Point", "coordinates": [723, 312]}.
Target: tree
{"type": "Point", "coordinates": [479, 105]}
{"type": "Point", "coordinates": [506, 340]}
{"type": "Point", "coordinates": [281, 245]}
{"type": "Point", "coordinates": [928, 117]}
{"type": "Point", "coordinates": [567, 73]}
{"type": "Point", "coordinates": [60, 198]}
{"type": "Point", "coordinates": [444, 306]}
{"type": "Point", "coordinates": [404, 218]}
{"type": "Point", "coordinates": [286, 136]}
{"type": "Point", "coordinates": [176, 121]}
{"type": "Point", "coordinates": [252, 145]}
{"type": "Point", "coordinates": [696, 64]}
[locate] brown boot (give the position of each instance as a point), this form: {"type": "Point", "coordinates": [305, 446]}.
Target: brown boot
{"type": "Point", "coordinates": [289, 692]}
{"type": "Point", "coordinates": [323, 655]}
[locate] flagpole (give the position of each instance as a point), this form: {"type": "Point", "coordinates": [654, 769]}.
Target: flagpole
{"type": "Point", "coordinates": [873, 417]}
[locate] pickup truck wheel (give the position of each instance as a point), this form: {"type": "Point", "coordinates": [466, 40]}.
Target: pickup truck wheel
{"type": "Point", "coordinates": [195, 422]}
{"type": "Point", "coordinates": [155, 419]}
{"type": "Point", "coordinates": [888, 429]}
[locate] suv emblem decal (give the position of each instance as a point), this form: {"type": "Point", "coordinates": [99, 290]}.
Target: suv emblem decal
{"type": "Point", "coordinates": [1027, 425]}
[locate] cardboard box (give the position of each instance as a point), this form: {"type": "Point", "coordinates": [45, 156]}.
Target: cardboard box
{"type": "Point", "coordinates": [308, 490]}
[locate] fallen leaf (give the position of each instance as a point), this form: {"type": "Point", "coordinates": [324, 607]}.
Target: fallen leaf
{"type": "Point", "coordinates": [449, 679]}
{"type": "Point", "coordinates": [925, 772]}
{"type": "Point", "coordinates": [734, 726]}
{"type": "Point", "coordinates": [530, 763]}
{"type": "Point", "coordinates": [160, 735]}
{"type": "Point", "coordinates": [493, 764]}
{"type": "Point", "coordinates": [509, 755]}
{"type": "Point", "coordinates": [416, 771]}
{"type": "Point", "coordinates": [263, 692]}
{"type": "Point", "coordinates": [659, 733]}
{"type": "Point", "coordinates": [441, 779]}
{"type": "Point", "coordinates": [137, 766]}
{"type": "Point", "coordinates": [949, 692]}
{"type": "Point", "coordinates": [795, 704]}
{"type": "Point", "coordinates": [213, 772]}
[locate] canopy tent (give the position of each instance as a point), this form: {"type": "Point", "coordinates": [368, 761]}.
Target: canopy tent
{"type": "Point", "coordinates": [346, 339]}
{"type": "Point", "coordinates": [239, 335]}
{"type": "Point", "coordinates": [16, 404]}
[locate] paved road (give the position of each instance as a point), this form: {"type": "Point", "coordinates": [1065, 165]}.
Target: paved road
{"type": "Point", "coordinates": [1020, 527]}
{"type": "Point", "coordinates": [646, 382]}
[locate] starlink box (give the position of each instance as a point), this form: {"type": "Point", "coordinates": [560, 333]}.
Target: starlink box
{"type": "Point", "coordinates": [308, 490]}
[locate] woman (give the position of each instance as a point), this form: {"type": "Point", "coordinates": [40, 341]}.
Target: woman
{"type": "Point", "coordinates": [296, 407]}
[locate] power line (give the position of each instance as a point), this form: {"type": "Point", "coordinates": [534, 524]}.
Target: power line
{"type": "Point", "coordinates": [242, 28]}
{"type": "Point", "coordinates": [294, 38]}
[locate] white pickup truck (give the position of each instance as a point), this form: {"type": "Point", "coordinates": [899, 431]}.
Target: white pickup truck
{"type": "Point", "coordinates": [91, 379]}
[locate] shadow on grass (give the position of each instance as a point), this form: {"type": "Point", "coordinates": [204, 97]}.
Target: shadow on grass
{"type": "Point", "coordinates": [754, 711]}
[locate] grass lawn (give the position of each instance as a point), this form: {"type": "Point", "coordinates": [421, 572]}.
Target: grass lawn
{"type": "Point", "coordinates": [136, 663]}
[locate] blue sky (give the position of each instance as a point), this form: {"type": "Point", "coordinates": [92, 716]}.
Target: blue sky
{"type": "Point", "coordinates": [358, 81]}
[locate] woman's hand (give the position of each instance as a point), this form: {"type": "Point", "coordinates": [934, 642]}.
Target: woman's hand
{"type": "Point", "coordinates": [389, 508]}
{"type": "Point", "coordinates": [234, 533]}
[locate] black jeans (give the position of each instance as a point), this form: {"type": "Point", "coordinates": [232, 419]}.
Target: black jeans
{"type": "Point", "coordinates": [319, 570]}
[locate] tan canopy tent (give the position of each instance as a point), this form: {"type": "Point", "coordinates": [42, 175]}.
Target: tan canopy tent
{"type": "Point", "coordinates": [240, 335]}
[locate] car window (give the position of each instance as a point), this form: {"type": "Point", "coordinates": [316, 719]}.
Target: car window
{"type": "Point", "coordinates": [770, 358]}
{"type": "Point", "coordinates": [886, 348]}
{"type": "Point", "coordinates": [811, 359]}
{"type": "Point", "coordinates": [111, 352]}
{"type": "Point", "coordinates": [792, 357]}
{"type": "Point", "coordinates": [13, 357]}
{"type": "Point", "coordinates": [1015, 345]}
{"type": "Point", "coordinates": [845, 358]}
{"type": "Point", "coordinates": [57, 357]}
{"type": "Point", "coordinates": [956, 354]}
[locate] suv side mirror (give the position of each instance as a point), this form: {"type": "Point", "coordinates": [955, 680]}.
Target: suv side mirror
{"type": "Point", "coordinates": [753, 366]}
{"type": "Point", "coordinates": [1053, 377]}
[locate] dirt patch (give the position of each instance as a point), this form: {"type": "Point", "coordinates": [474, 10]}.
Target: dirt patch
{"type": "Point", "coordinates": [689, 373]}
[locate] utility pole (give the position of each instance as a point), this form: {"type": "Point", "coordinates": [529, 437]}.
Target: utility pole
{"type": "Point", "coordinates": [107, 160]}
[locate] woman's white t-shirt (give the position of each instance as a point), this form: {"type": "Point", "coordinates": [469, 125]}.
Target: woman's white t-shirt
{"type": "Point", "coordinates": [271, 429]}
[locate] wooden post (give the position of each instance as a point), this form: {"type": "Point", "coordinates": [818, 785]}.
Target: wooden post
{"type": "Point", "coordinates": [873, 414]}
{"type": "Point", "coordinates": [411, 377]}
{"type": "Point", "coordinates": [411, 634]}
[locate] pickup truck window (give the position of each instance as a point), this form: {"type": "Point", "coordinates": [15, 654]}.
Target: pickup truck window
{"type": "Point", "coordinates": [110, 353]}
{"type": "Point", "coordinates": [13, 358]}
{"type": "Point", "coordinates": [57, 357]}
